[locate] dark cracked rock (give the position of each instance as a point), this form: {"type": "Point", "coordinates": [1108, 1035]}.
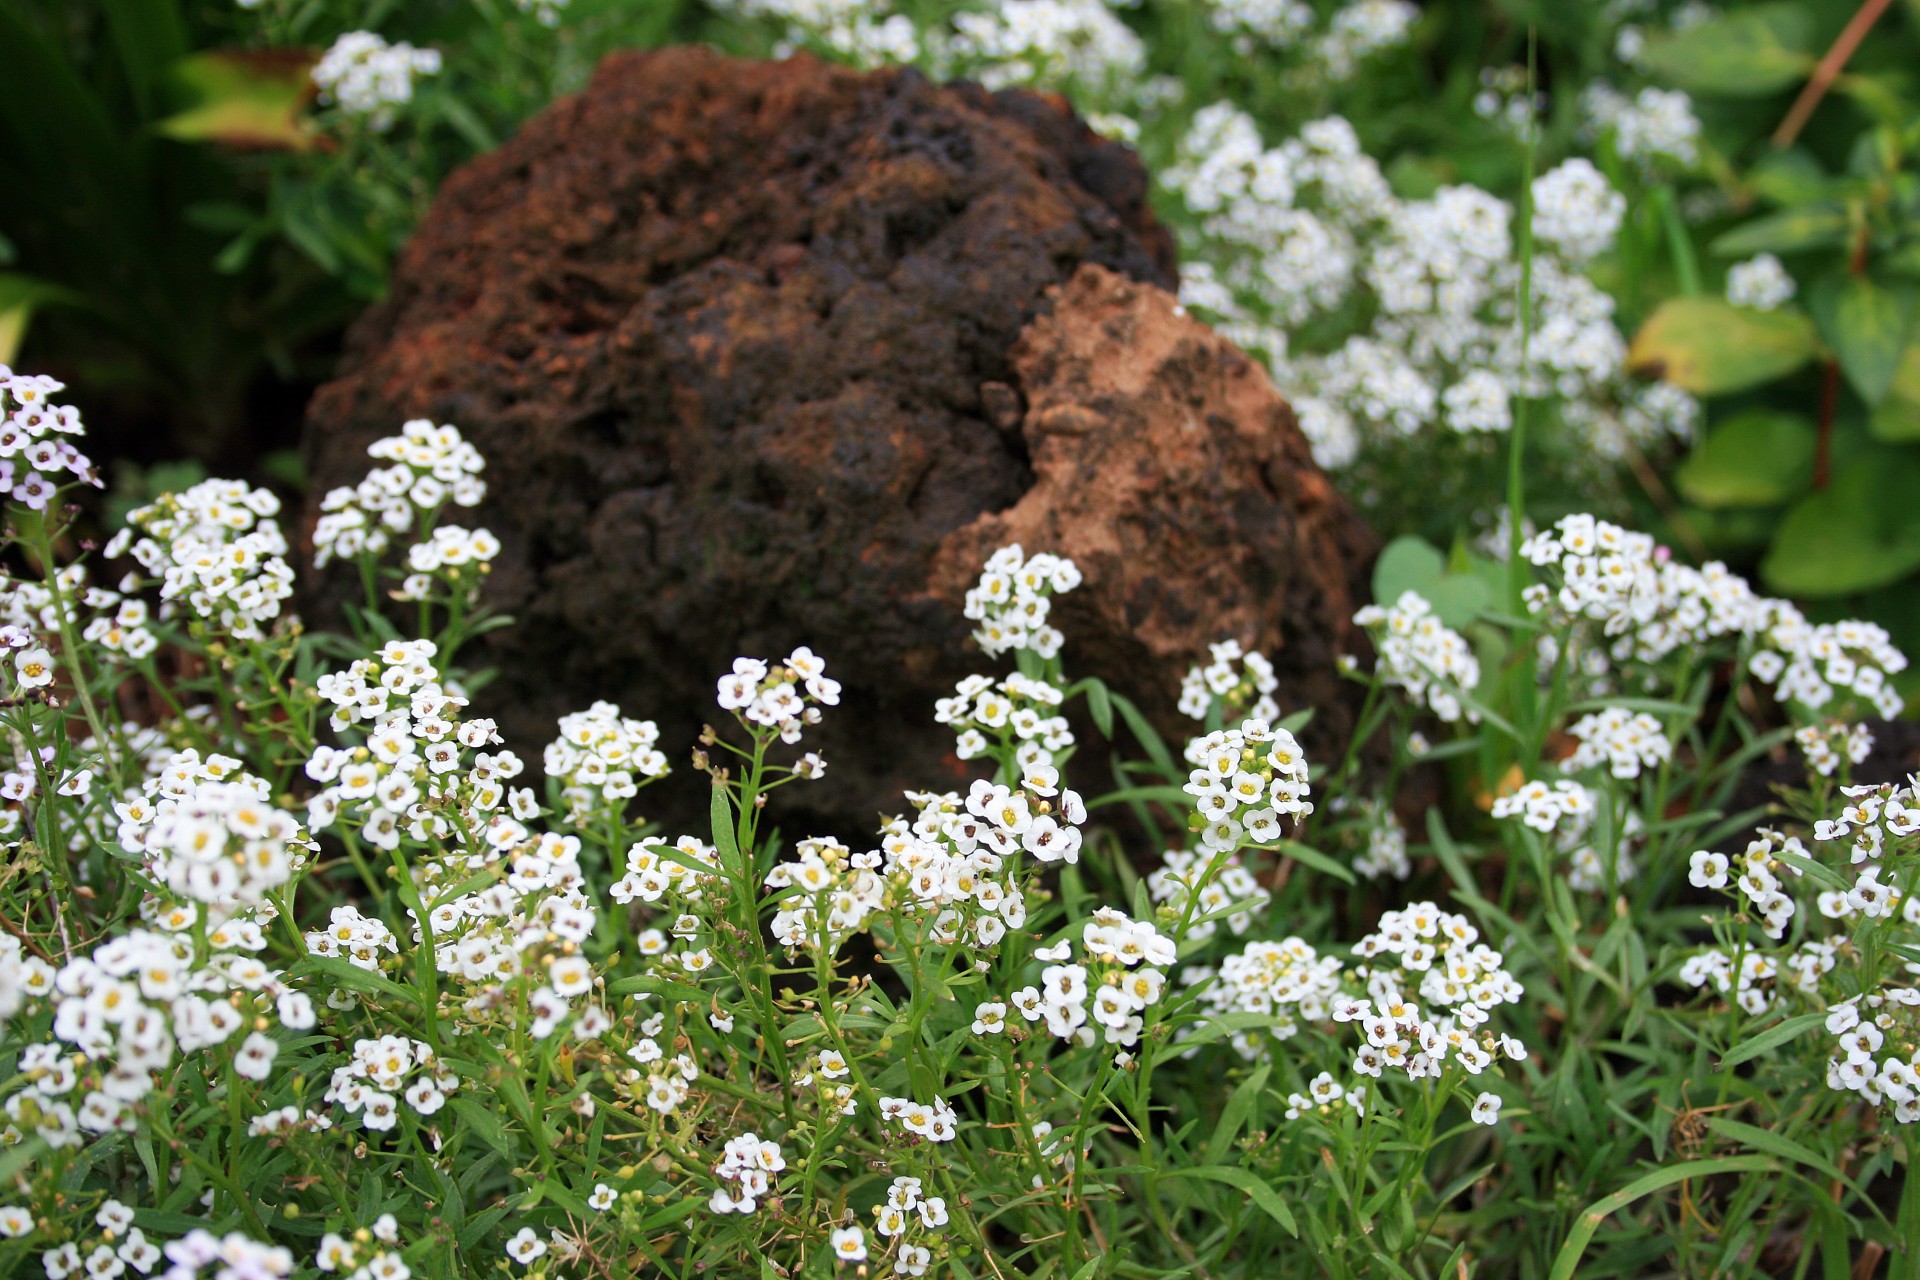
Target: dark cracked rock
{"type": "Point", "coordinates": [742, 344]}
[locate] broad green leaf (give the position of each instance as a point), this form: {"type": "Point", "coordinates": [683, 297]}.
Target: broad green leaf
{"type": "Point", "coordinates": [1747, 53]}
{"type": "Point", "coordinates": [1792, 178]}
{"type": "Point", "coordinates": [1709, 346]}
{"type": "Point", "coordinates": [1756, 459]}
{"type": "Point", "coordinates": [1866, 324]}
{"type": "Point", "coordinates": [1813, 226]}
{"type": "Point", "coordinates": [1896, 419]}
{"type": "Point", "coordinates": [1412, 564]}
{"type": "Point", "coordinates": [1862, 531]}
{"type": "Point", "coordinates": [240, 99]}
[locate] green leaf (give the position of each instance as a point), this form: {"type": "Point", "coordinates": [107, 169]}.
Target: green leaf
{"type": "Point", "coordinates": [1755, 459]}
{"type": "Point", "coordinates": [1566, 1263]}
{"type": "Point", "coordinates": [1866, 325]}
{"type": "Point", "coordinates": [1747, 53]}
{"type": "Point", "coordinates": [19, 296]}
{"type": "Point", "coordinates": [1410, 563]}
{"type": "Point", "coordinates": [1772, 1038]}
{"type": "Point", "coordinates": [344, 973]}
{"type": "Point", "coordinates": [1257, 1190]}
{"type": "Point", "coordinates": [1709, 346]}
{"type": "Point", "coordinates": [1813, 226]}
{"type": "Point", "coordinates": [1776, 1144]}
{"type": "Point", "coordinates": [252, 100]}
{"type": "Point", "coordinates": [1896, 419]}
{"type": "Point", "coordinates": [1862, 531]}
{"type": "Point", "coordinates": [1311, 857]}
{"type": "Point", "coordinates": [1240, 1105]}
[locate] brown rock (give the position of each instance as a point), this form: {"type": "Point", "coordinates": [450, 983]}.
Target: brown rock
{"type": "Point", "coordinates": [739, 342]}
{"type": "Point", "coordinates": [1170, 470]}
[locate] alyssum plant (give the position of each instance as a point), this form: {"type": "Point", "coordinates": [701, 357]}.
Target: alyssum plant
{"type": "Point", "coordinates": [304, 971]}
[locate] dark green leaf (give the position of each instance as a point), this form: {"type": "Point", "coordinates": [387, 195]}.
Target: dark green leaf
{"type": "Point", "coordinates": [1862, 531]}
{"type": "Point", "coordinates": [1866, 324]}
{"type": "Point", "coordinates": [1758, 458]}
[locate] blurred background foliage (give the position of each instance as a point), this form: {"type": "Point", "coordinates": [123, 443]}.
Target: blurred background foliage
{"type": "Point", "coordinates": [189, 226]}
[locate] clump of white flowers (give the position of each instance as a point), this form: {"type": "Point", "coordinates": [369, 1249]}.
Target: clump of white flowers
{"type": "Point", "coordinates": [1621, 741]}
{"type": "Point", "coordinates": [1760, 282]}
{"type": "Point", "coordinates": [217, 548]}
{"type": "Point", "coordinates": [428, 467]}
{"type": "Point", "coordinates": [1421, 654]}
{"type": "Point", "coordinates": [1287, 981]}
{"type": "Point", "coordinates": [1244, 782]}
{"type": "Point", "coordinates": [36, 457]}
{"type": "Point", "coordinates": [1546, 807]}
{"type": "Point", "coordinates": [1652, 127]}
{"type": "Point", "coordinates": [747, 1168]}
{"type": "Point", "coordinates": [1021, 713]}
{"type": "Point", "coordinates": [1576, 210]}
{"type": "Point", "coordinates": [1013, 598]}
{"type": "Point", "coordinates": [210, 833]}
{"type": "Point", "coordinates": [1833, 743]}
{"type": "Point", "coordinates": [1437, 956]}
{"type": "Point", "coordinates": [601, 760]}
{"type": "Point", "coordinates": [1122, 974]}
{"type": "Point", "coordinates": [1242, 679]}
{"type": "Point", "coordinates": [784, 698]}
{"type": "Point", "coordinates": [390, 1076]}
{"type": "Point", "coordinates": [1198, 891]}
{"type": "Point", "coordinates": [369, 79]}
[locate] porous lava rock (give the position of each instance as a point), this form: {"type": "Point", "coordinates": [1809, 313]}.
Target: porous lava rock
{"type": "Point", "coordinates": [767, 354]}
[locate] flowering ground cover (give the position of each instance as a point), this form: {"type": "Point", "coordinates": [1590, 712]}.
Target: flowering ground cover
{"type": "Point", "coordinates": [1593, 950]}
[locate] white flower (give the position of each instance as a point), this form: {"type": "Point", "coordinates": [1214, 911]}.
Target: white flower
{"type": "Point", "coordinates": [1486, 1109]}
{"type": "Point", "coordinates": [850, 1244]}
{"type": "Point", "coordinates": [525, 1246]}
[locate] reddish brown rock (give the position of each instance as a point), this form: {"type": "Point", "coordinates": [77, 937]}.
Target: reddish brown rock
{"type": "Point", "coordinates": [742, 343]}
{"type": "Point", "coordinates": [1170, 470]}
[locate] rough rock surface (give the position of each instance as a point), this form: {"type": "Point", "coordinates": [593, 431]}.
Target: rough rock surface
{"type": "Point", "coordinates": [743, 345]}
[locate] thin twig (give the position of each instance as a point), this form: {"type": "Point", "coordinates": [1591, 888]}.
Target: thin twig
{"type": "Point", "coordinates": [1827, 71]}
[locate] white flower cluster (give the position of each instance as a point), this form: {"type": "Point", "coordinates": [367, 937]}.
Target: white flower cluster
{"type": "Point", "coordinates": [1325, 1098]}
{"type": "Point", "coordinates": [1045, 41]}
{"type": "Point", "coordinates": [747, 1167]}
{"type": "Point", "coordinates": [854, 29]}
{"type": "Point", "coordinates": [133, 1007]}
{"type": "Point", "coordinates": [833, 893]}
{"type": "Point", "coordinates": [1287, 982]}
{"type": "Point", "coordinates": [667, 1081]}
{"type": "Point", "coordinates": [675, 879]}
{"type": "Point", "coordinates": [369, 79]}
{"type": "Point", "coordinates": [1623, 742]}
{"type": "Point", "coordinates": [1760, 282]}
{"type": "Point", "coordinates": [209, 833]}
{"type": "Point", "coordinates": [217, 547]}
{"type": "Point", "coordinates": [358, 939]}
{"type": "Point", "coordinates": [1199, 890]}
{"type": "Point", "coordinates": [1815, 665]}
{"type": "Point", "coordinates": [935, 1121]}
{"type": "Point", "coordinates": [428, 466]}
{"type": "Point", "coordinates": [1013, 598]}
{"type": "Point", "coordinates": [458, 556]}
{"type": "Point", "coordinates": [1754, 978]}
{"type": "Point", "coordinates": [1244, 781]}
{"type": "Point", "coordinates": [1423, 655]}
{"type": "Point", "coordinates": [1577, 211]}
{"type": "Point", "coordinates": [906, 1207]}
{"type": "Point", "coordinates": [1242, 679]}
{"type": "Point", "coordinates": [359, 1257]}
{"type": "Point", "coordinates": [1021, 713]}
{"type": "Point", "coordinates": [1385, 853]}
{"type": "Point", "coordinates": [1438, 955]}
{"type": "Point", "coordinates": [1876, 815]}
{"type": "Point", "coordinates": [118, 625]}
{"type": "Point", "coordinates": [414, 753]}
{"type": "Point", "coordinates": [1362, 28]}
{"type": "Point", "coordinates": [1877, 1039]}
{"type": "Point", "coordinates": [229, 1257]}
{"type": "Point", "coordinates": [32, 428]}
{"type": "Point", "coordinates": [1567, 812]}
{"type": "Point", "coordinates": [1832, 743]}
{"type": "Point", "coordinates": [596, 759]}
{"type": "Point", "coordinates": [122, 1245]}
{"type": "Point", "coordinates": [546, 12]}
{"type": "Point", "coordinates": [1755, 872]}
{"type": "Point", "coordinates": [1652, 126]}
{"type": "Point", "coordinates": [783, 698]}
{"type": "Point", "coordinates": [1288, 233]}
{"type": "Point", "coordinates": [1124, 975]}
{"type": "Point", "coordinates": [385, 1072]}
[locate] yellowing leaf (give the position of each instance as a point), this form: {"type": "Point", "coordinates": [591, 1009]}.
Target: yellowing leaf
{"type": "Point", "coordinates": [1709, 346]}
{"type": "Point", "coordinates": [246, 100]}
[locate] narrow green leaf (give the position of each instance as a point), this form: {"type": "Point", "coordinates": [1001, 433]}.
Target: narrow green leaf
{"type": "Point", "coordinates": [1256, 1188]}
{"type": "Point", "coordinates": [1567, 1262]}
{"type": "Point", "coordinates": [1772, 1038]}
{"type": "Point", "coordinates": [1813, 226]}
